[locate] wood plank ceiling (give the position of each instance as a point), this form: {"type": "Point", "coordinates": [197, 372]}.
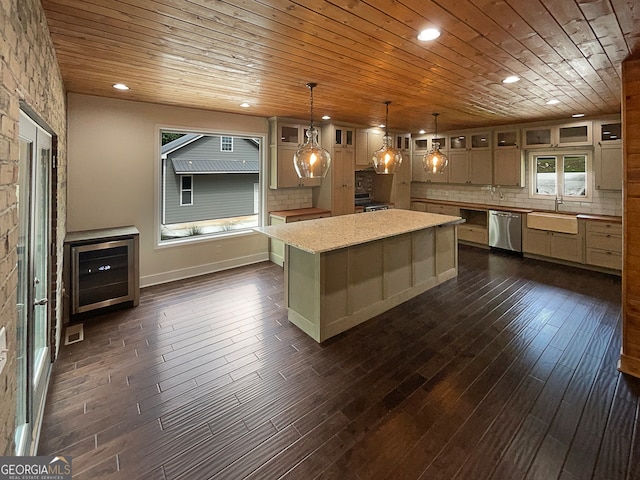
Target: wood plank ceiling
{"type": "Point", "coordinates": [216, 54]}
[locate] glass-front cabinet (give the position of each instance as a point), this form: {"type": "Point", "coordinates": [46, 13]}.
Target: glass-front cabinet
{"type": "Point", "coordinates": [344, 137]}
{"type": "Point", "coordinates": [507, 139]}
{"type": "Point", "coordinates": [568, 135]}
{"type": "Point", "coordinates": [421, 143]}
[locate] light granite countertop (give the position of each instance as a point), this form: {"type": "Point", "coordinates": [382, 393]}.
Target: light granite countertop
{"type": "Point", "coordinates": [332, 233]}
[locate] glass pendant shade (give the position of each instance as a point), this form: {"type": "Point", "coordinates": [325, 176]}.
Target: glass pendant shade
{"type": "Point", "coordinates": [311, 160]}
{"type": "Point", "coordinates": [387, 158]}
{"type": "Point", "coordinates": [435, 161]}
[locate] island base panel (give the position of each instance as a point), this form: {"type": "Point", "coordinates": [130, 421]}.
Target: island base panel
{"type": "Point", "coordinates": [331, 292]}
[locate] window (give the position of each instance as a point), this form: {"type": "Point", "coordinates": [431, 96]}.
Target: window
{"type": "Point", "coordinates": [226, 144]}
{"type": "Point", "coordinates": [186, 190]}
{"type": "Point", "coordinates": [226, 172]}
{"type": "Point", "coordinates": [561, 174]}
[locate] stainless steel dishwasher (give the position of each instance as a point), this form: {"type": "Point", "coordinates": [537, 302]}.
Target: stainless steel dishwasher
{"type": "Point", "coordinates": [505, 230]}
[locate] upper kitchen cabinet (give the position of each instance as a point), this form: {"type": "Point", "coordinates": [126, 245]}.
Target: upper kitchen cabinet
{"type": "Point", "coordinates": [284, 139]}
{"type": "Point", "coordinates": [367, 142]}
{"type": "Point", "coordinates": [508, 158]}
{"type": "Point", "coordinates": [470, 158]}
{"type": "Point", "coordinates": [344, 137]}
{"type": "Point", "coordinates": [337, 191]}
{"type": "Point", "coordinates": [421, 143]}
{"type": "Point", "coordinates": [567, 135]}
{"type": "Point", "coordinates": [403, 144]}
{"type": "Point", "coordinates": [608, 155]}
{"type": "Point", "coordinates": [418, 173]}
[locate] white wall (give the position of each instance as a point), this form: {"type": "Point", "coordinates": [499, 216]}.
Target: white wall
{"type": "Point", "coordinates": [112, 181]}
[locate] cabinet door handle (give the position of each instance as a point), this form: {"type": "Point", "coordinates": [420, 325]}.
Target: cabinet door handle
{"type": "Point", "coordinates": [42, 301]}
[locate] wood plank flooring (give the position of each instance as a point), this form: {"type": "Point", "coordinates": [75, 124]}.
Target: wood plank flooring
{"type": "Point", "coordinates": [506, 372]}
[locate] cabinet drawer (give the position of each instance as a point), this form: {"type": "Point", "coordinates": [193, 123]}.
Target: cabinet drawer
{"type": "Point", "coordinates": [471, 233]}
{"type": "Point", "coordinates": [604, 227]}
{"type": "Point", "coordinates": [604, 258]}
{"type": "Point", "coordinates": [443, 209]}
{"type": "Point", "coordinates": [301, 218]}
{"type": "Point", "coordinates": [604, 241]}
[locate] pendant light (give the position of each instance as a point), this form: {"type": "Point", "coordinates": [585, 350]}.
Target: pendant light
{"type": "Point", "coordinates": [387, 158]}
{"type": "Point", "coordinates": [435, 161]}
{"type": "Point", "coordinates": [311, 160]}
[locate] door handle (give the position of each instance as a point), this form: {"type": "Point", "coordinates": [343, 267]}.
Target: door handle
{"type": "Point", "coordinates": [42, 301]}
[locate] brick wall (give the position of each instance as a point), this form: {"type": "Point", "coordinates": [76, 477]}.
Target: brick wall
{"type": "Point", "coordinates": [29, 75]}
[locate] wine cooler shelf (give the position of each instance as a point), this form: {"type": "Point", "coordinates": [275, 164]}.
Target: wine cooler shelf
{"type": "Point", "coordinates": [101, 269]}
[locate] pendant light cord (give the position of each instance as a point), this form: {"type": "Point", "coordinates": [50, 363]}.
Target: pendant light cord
{"type": "Point", "coordinates": [386, 120]}
{"type": "Point", "coordinates": [435, 121]}
{"type": "Point", "coordinates": [311, 86]}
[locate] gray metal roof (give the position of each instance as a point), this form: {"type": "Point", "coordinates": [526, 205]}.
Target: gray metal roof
{"type": "Point", "coordinates": [179, 143]}
{"type": "Point", "coordinates": [183, 167]}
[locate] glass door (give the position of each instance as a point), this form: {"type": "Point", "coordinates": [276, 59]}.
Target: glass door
{"type": "Point", "coordinates": [34, 326]}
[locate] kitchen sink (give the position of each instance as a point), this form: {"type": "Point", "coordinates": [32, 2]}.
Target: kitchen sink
{"type": "Point", "coordinates": [553, 222]}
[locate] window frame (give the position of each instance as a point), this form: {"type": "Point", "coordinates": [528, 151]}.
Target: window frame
{"type": "Point", "coordinates": [162, 165]}
{"type": "Point", "coordinates": [560, 156]}
{"type": "Point", "coordinates": [223, 143]}
{"type": "Point", "coordinates": [183, 190]}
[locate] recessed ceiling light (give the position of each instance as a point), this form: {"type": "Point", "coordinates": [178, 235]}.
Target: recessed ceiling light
{"type": "Point", "coordinates": [326, 117]}
{"type": "Point", "coordinates": [428, 34]}
{"type": "Point", "coordinates": [120, 86]}
{"type": "Point", "coordinates": [422, 131]}
{"type": "Point", "coordinates": [511, 79]}
{"type": "Point", "coordinates": [381, 125]}
{"type": "Point", "coordinates": [245, 105]}
{"type": "Point", "coordinates": [577, 115]}
{"type": "Point", "coordinates": [553, 101]}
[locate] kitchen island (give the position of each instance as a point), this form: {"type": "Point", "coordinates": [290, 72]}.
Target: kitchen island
{"type": "Point", "coordinates": [341, 271]}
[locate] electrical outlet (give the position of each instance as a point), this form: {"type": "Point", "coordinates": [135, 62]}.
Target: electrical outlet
{"type": "Point", "coordinates": [3, 348]}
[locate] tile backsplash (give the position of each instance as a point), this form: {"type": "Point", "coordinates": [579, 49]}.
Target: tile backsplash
{"type": "Point", "coordinates": [289, 198]}
{"type": "Point", "coordinates": [604, 202]}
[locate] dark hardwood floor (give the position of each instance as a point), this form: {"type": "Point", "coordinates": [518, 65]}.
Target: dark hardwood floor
{"type": "Point", "coordinates": [506, 372]}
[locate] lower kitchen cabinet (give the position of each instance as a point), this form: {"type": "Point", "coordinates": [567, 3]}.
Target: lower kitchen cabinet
{"type": "Point", "coordinates": [604, 244]}
{"type": "Point", "coordinates": [443, 209]}
{"type": "Point", "coordinates": [276, 247]}
{"type": "Point", "coordinates": [561, 246]}
{"type": "Point", "coordinates": [475, 229]}
{"type": "Point", "coordinates": [473, 234]}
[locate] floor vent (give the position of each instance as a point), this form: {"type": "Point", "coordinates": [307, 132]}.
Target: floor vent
{"type": "Point", "coordinates": [74, 334]}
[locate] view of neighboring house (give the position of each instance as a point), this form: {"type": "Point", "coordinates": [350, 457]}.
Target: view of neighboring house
{"type": "Point", "coordinates": [208, 177]}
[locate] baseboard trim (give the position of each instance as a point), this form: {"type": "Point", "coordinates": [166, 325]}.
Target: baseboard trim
{"type": "Point", "coordinates": [629, 365]}
{"type": "Point", "coordinates": [181, 274]}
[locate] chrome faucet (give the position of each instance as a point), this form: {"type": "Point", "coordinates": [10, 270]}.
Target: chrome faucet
{"type": "Point", "coordinates": [559, 201]}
